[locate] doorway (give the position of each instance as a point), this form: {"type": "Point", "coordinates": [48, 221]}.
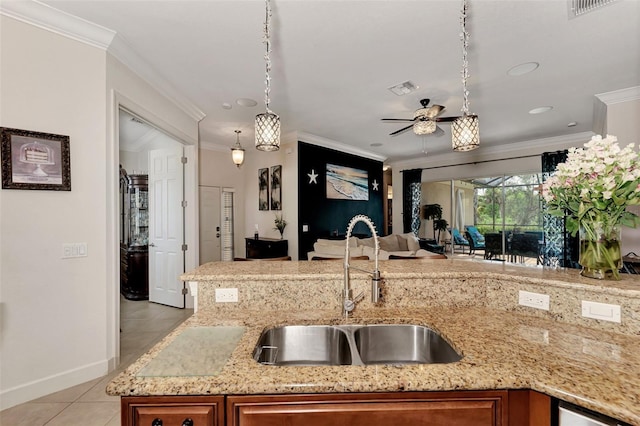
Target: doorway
{"type": "Point", "coordinates": [147, 151]}
{"type": "Point", "coordinates": [216, 223]}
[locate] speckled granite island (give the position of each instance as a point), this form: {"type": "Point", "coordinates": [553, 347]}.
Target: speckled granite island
{"type": "Point", "coordinates": [474, 305]}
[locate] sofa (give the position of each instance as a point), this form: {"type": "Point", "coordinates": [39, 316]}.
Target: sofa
{"type": "Point", "coordinates": [392, 246]}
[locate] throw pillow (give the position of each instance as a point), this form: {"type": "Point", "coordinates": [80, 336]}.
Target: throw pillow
{"type": "Point", "coordinates": [367, 242]}
{"type": "Point", "coordinates": [412, 241]}
{"type": "Point", "coordinates": [403, 243]}
{"type": "Point", "coordinates": [389, 243]}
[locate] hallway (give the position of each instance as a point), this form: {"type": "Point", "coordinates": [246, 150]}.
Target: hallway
{"type": "Point", "coordinates": [142, 324]}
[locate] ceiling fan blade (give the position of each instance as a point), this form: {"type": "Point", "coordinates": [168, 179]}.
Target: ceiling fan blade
{"type": "Point", "coordinates": [445, 119]}
{"type": "Point", "coordinates": [398, 119]}
{"type": "Point", "coordinates": [397, 132]}
{"type": "Point", "coordinates": [434, 110]}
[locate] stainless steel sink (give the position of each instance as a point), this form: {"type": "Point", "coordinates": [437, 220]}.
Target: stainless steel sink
{"type": "Point", "coordinates": [402, 344]}
{"type": "Point", "coordinates": [303, 345]}
{"type": "Point", "coordinates": [353, 345]}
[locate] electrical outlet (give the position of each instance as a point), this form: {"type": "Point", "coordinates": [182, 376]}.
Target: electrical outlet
{"type": "Point", "coordinates": [533, 300]}
{"type": "Point", "coordinates": [226, 295]}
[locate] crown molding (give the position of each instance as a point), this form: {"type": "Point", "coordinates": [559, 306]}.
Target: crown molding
{"type": "Point", "coordinates": [123, 52]}
{"type": "Point", "coordinates": [329, 143]}
{"type": "Point", "coordinates": [530, 147]}
{"type": "Point", "coordinates": [619, 96]}
{"type": "Point", "coordinates": [58, 22]}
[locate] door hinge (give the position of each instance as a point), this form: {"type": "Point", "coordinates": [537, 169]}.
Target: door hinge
{"type": "Point", "coordinates": [184, 247]}
{"type": "Point", "coordinates": [184, 204]}
{"type": "Point", "coordinates": [184, 160]}
{"type": "Point", "coordinates": [185, 291]}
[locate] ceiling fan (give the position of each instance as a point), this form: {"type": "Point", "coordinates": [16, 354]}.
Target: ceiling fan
{"type": "Point", "coordinates": [424, 120]}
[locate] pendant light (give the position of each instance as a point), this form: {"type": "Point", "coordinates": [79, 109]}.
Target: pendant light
{"type": "Point", "coordinates": [267, 124]}
{"type": "Point", "coordinates": [237, 152]}
{"type": "Point", "coordinates": [465, 133]}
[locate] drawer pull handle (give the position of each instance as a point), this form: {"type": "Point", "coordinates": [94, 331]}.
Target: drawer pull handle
{"type": "Point", "coordinates": [156, 422]}
{"type": "Point", "coordinates": [187, 422]}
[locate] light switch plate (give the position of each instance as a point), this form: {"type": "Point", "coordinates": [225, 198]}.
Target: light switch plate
{"type": "Point", "coordinates": [601, 311]}
{"type": "Point", "coordinates": [70, 250]}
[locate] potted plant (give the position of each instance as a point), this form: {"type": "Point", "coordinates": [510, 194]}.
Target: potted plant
{"type": "Point", "coordinates": [432, 212]}
{"type": "Point", "coordinates": [440, 225]}
{"type": "Point", "coordinates": [592, 190]}
{"type": "Point", "coordinates": [280, 225]}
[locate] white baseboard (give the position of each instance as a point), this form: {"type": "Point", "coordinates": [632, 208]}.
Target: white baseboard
{"type": "Point", "coordinates": [57, 382]}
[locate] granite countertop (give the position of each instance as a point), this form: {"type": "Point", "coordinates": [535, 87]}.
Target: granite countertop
{"type": "Point", "coordinates": [243, 271]}
{"type": "Point", "coordinates": [596, 369]}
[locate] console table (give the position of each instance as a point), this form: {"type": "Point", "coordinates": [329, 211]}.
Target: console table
{"type": "Point", "coordinates": [265, 248]}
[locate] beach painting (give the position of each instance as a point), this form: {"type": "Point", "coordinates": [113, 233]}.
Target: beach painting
{"type": "Point", "coordinates": [347, 183]}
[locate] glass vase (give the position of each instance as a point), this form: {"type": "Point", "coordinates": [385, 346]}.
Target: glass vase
{"type": "Point", "coordinates": [600, 250]}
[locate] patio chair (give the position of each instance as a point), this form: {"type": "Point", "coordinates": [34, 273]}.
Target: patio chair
{"type": "Point", "coordinates": [525, 245]}
{"type": "Point", "coordinates": [493, 247]}
{"type": "Point", "coordinates": [476, 239]}
{"type": "Point", "coordinates": [458, 239]}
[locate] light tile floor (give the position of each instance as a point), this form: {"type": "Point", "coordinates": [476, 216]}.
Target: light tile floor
{"type": "Point", "coordinates": [142, 324]}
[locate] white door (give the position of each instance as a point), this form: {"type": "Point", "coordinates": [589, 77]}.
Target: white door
{"type": "Point", "coordinates": [166, 226]}
{"type": "Point", "coordinates": [210, 231]}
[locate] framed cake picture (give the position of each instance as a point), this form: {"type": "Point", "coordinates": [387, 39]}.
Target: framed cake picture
{"type": "Point", "coordinates": [34, 160]}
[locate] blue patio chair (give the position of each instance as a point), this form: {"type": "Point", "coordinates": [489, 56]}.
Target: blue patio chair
{"type": "Point", "coordinates": [458, 239]}
{"type": "Point", "coordinates": [476, 239]}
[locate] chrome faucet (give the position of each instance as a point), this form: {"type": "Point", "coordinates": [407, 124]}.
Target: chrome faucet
{"type": "Point", "coordinates": [349, 302]}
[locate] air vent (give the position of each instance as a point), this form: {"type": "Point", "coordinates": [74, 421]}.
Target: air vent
{"type": "Point", "coordinates": [403, 88]}
{"type": "Point", "coordinates": [580, 7]}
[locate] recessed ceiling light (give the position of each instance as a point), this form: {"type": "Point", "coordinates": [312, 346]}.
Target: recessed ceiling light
{"type": "Point", "coordinates": [522, 69]}
{"type": "Point", "coordinates": [226, 105]}
{"type": "Point", "coordinates": [541, 110]}
{"type": "Point", "coordinates": [376, 144]}
{"type": "Point", "coordinates": [572, 124]}
{"type": "Point", "coordinates": [246, 102]}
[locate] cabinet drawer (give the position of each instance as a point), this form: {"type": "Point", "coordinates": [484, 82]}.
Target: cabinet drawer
{"type": "Point", "coordinates": [200, 415]}
{"type": "Point", "coordinates": [173, 411]}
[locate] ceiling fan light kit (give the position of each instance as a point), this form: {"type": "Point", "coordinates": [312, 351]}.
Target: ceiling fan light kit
{"type": "Point", "coordinates": [267, 126]}
{"type": "Point", "coordinates": [465, 130]}
{"type": "Point", "coordinates": [425, 127]}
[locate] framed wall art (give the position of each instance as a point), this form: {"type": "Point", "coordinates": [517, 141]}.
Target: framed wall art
{"type": "Point", "coordinates": [347, 183]}
{"type": "Point", "coordinates": [263, 189]}
{"type": "Point", "coordinates": [34, 160]}
{"type": "Point", "coordinates": [276, 188]}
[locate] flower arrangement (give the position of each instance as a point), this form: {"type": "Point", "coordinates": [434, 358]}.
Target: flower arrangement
{"type": "Point", "coordinates": [592, 189]}
{"type": "Point", "coordinates": [280, 224]}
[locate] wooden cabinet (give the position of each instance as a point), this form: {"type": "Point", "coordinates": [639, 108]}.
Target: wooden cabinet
{"type": "Point", "coordinates": [173, 411]}
{"type": "Point", "coordinates": [459, 408]}
{"type": "Point", "coordinates": [134, 236]}
{"type": "Point", "coordinates": [265, 248]}
{"type": "Point", "coordinates": [473, 408]}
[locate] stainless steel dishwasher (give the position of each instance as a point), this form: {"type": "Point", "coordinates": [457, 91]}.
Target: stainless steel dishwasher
{"type": "Point", "coordinates": [572, 415]}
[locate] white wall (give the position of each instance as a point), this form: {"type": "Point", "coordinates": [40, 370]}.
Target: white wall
{"type": "Point", "coordinates": [623, 121]}
{"type": "Point", "coordinates": [217, 169]}
{"type": "Point", "coordinates": [54, 311]}
{"type": "Point", "coordinates": [287, 156]}
{"type": "Point", "coordinates": [60, 317]}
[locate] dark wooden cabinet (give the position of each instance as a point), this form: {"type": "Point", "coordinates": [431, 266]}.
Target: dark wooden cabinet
{"type": "Point", "coordinates": [172, 411]}
{"type": "Point", "coordinates": [134, 236]}
{"type": "Point", "coordinates": [459, 408]}
{"type": "Point", "coordinates": [266, 248]}
{"type": "Point", "coordinates": [473, 408]}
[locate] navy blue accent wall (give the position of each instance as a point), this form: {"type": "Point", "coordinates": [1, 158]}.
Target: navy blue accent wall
{"type": "Point", "coordinates": [325, 216]}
